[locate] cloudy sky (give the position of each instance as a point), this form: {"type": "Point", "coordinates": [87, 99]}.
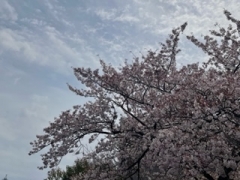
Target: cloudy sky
{"type": "Point", "coordinates": [40, 40]}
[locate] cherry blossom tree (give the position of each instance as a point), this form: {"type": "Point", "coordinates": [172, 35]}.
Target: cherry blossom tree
{"type": "Point", "coordinates": [155, 120]}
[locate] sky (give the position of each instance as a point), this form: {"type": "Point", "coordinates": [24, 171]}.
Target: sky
{"type": "Point", "coordinates": [41, 40]}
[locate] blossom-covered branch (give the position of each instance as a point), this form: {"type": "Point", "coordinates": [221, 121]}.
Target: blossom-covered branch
{"type": "Point", "coordinates": [156, 120]}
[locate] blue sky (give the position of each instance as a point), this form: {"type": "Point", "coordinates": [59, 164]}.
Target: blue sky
{"type": "Point", "coordinates": [40, 40]}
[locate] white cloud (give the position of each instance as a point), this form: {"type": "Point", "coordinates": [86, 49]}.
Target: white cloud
{"type": "Point", "coordinates": [11, 40]}
{"type": "Point", "coordinates": [111, 45]}
{"type": "Point", "coordinates": [34, 21]}
{"type": "Point", "coordinates": [7, 131]}
{"type": "Point", "coordinates": [38, 107]}
{"type": "Point", "coordinates": [114, 15]}
{"type": "Point", "coordinates": [127, 18]}
{"type": "Point", "coordinates": [16, 80]}
{"type": "Point", "coordinates": [106, 15]}
{"type": "Point", "coordinates": [65, 54]}
{"type": "Point", "coordinates": [7, 12]}
{"type": "Point", "coordinates": [51, 51]}
{"type": "Point", "coordinates": [159, 17]}
{"type": "Point", "coordinates": [48, 4]}
{"type": "Point", "coordinates": [10, 71]}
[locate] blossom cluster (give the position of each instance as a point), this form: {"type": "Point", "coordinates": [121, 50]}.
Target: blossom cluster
{"type": "Point", "coordinates": [158, 121]}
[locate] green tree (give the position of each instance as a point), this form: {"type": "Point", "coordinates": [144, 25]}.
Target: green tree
{"type": "Point", "coordinates": [5, 178]}
{"type": "Point", "coordinates": [55, 174]}
{"type": "Point", "coordinates": [80, 167]}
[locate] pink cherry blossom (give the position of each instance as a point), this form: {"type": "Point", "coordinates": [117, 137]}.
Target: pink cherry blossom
{"type": "Point", "coordinates": [156, 120]}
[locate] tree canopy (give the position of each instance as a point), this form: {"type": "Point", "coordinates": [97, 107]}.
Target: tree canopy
{"type": "Point", "coordinates": [158, 121]}
{"type": "Point", "coordinates": [79, 168]}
